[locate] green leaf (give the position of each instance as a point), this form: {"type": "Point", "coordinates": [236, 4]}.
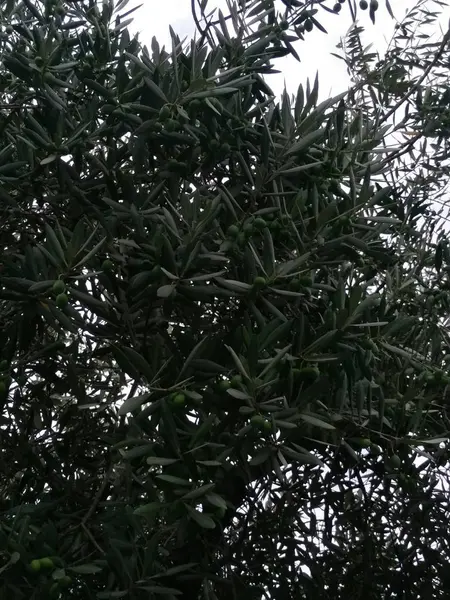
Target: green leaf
{"type": "Point", "coordinates": [87, 569]}
{"type": "Point", "coordinates": [148, 509]}
{"type": "Point", "coordinates": [173, 480]}
{"type": "Point", "coordinates": [237, 361]}
{"type": "Point", "coordinates": [159, 460]}
{"type": "Point", "coordinates": [312, 420]}
{"type": "Point", "coordinates": [205, 521]}
{"type": "Point", "coordinates": [134, 403]}
{"type": "Point", "coordinates": [199, 492]}
{"type": "Point", "coordinates": [139, 362]}
{"type": "Point", "coordinates": [307, 141]}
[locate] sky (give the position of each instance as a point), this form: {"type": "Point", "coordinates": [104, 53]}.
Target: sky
{"type": "Point", "coordinates": [154, 18]}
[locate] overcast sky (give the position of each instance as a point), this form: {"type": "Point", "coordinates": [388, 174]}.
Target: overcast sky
{"type": "Point", "coordinates": [154, 18]}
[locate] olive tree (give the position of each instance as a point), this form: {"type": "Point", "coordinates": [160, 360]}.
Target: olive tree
{"type": "Point", "coordinates": [222, 315]}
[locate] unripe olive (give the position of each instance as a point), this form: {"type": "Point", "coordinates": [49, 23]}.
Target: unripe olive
{"type": "Point", "coordinates": [59, 287]}
{"type": "Point", "coordinates": [35, 565]}
{"type": "Point", "coordinates": [395, 461]}
{"type": "Point", "coordinates": [257, 421]}
{"type": "Point", "coordinates": [107, 265]}
{"type": "Point", "coordinates": [224, 385]}
{"type": "Point", "coordinates": [259, 282]}
{"type": "Point", "coordinates": [236, 380]}
{"type": "Point", "coordinates": [164, 113]}
{"type": "Point", "coordinates": [260, 223]}
{"type": "Point", "coordinates": [233, 231]}
{"type": "Point", "coordinates": [46, 562]}
{"type": "Point", "coordinates": [62, 300]}
{"type": "Point", "coordinates": [172, 125]}
{"type": "Point", "coordinates": [179, 399]}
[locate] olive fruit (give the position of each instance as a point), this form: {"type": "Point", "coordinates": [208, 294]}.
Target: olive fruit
{"type": "Point", "coordinates": [259, 281]}
{"type": "Point", "coordinates": [179, 399]}
{"type": "Point", "coordinates": [65, 581]}
{"type": "Point", "coordinates": [337, 7]}
{"type": "Point", "coordinates": [107, 265]}
{"type": "Point", "coordinates": [233, 231]}
{"type": "Point", "coordinates": [309, 373]}
{"type": "Point", "coordinates": [363, 5]}
{"type": "Point", "coordinates": [374, 5]}
{"type": "Point", "coordinates": [308, 25]}
{"type": "Point", "coordinates": [395, 461]}
{"type": "Point", "coordinates": [259, 223]}
{"type": "Point", "coordinates": [46, 562]}
{"type": "Point", "coordinates": [257, 421]}
{"type": "Point", "coordinates": [375, 449]}
{"type": "Point", "coordinates": [35, 565]}
{"type": "Point", "coordinates": [224, 385]}
{"type": "Point", "coordinates": [62, 300]}
{"type": "Point", "coordinates": [365, 443]}
{"type": "Point", "coordinates": [164, 113]}
{"type": "Point", "coordinates": [172, 125]}
{"type": "Point", "coordinates": [236, 380]}
{"type": "Point", "coordinates": [59, 287]}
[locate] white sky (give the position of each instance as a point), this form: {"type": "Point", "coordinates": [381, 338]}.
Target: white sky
{"type": "Point", "coordinates": [154, 18]}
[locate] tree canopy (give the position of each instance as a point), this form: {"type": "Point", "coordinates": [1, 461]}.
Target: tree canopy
{"type": "Point", "coordinates": [224, 345]}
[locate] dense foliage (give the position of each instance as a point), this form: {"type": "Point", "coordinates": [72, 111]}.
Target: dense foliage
{"type": "Point", "coordinates": [223, 339]}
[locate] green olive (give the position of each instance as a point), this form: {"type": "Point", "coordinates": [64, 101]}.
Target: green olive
{"type": "Point", "coordinates": [260, 223]}
{"type": "Point", "coordinates": [267, 425]}
{"type": "Point", "coordinates": [236, 380]}
{"type": "Point", "coordinates": [46, 562]}
{"type": "Point", "coordinates": [61, 300]}
{"type": "Point", "coordinates": [309, 373]}
{"type": "Point", "coordinates": [179, 399]}
{"type": "Point", "coordinates": [107, 265]}
{"type": "Point", "coordinates": [172, 125]}
{"type": "Point", "coordinates": [224, 385]}
{"type": "Point", "coordinates": [164, 112]}
{"type": "Point", "coordinates": [257, 421]}
{"type": "Point", "coordinates": [395, 461]}
{"type": "Point", "coordinates": [35, 565]}
{"type": "Point", "coordinates": [233, 231]}
{"type": "Point", "coordinates": [59, 287]}
{"type": "Point", "coordinates": [259, 282]}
